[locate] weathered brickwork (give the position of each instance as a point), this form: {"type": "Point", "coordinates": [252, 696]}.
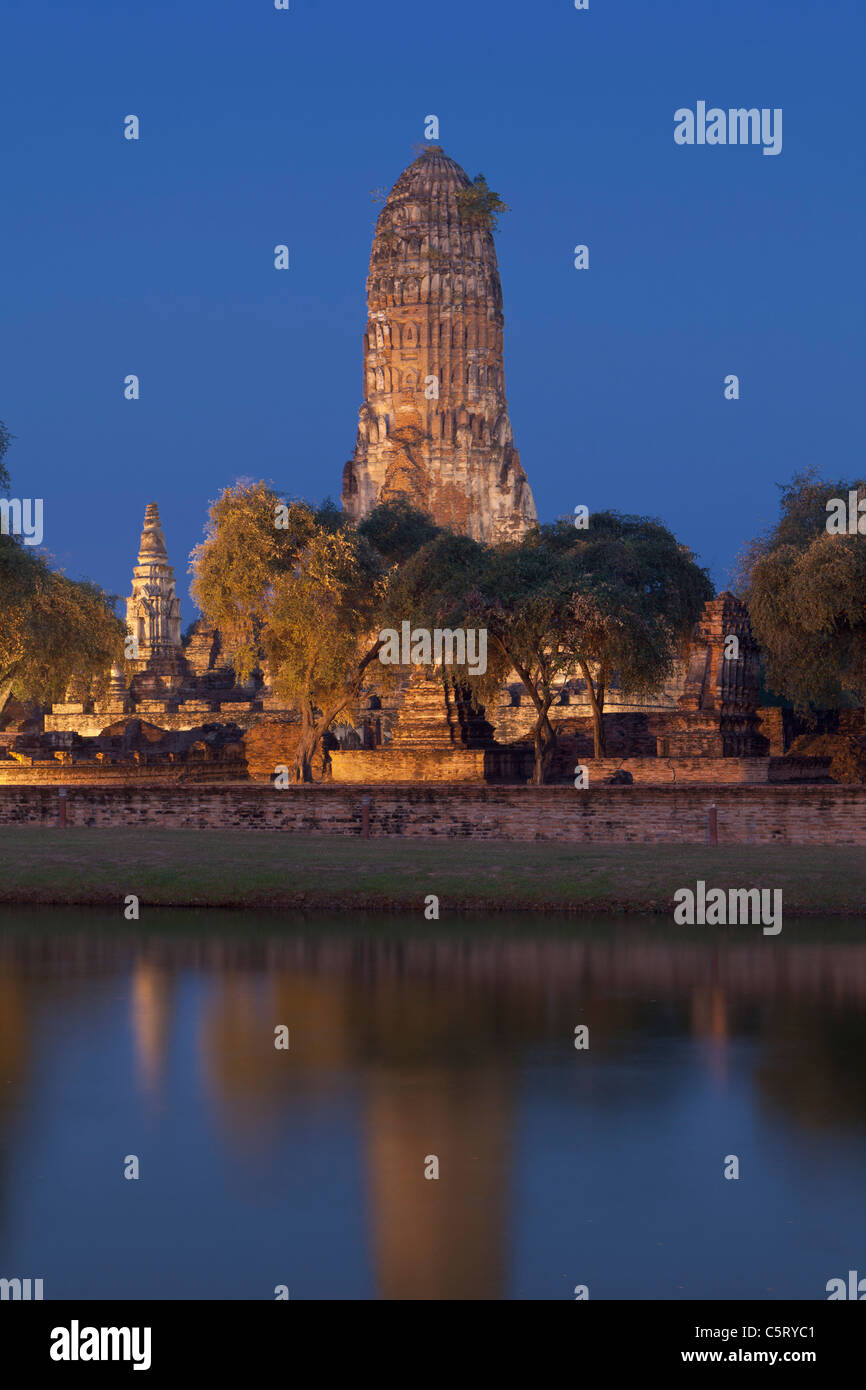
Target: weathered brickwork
{"type": "Point", "coordinates": [54, 774]}
{"type": "Point", "coordinates": [804, 815]}
{"type": "Point", "coordinates": [434, 424]}
{"type": "Point", "coordinates": [504, 765]}
{"type": "Point", "coordinates": [707, 709]}
{"type": "Point", "coordinates": [409, 765]}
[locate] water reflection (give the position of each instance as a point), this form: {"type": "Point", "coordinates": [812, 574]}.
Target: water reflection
{"type": "Point", "coordinates": [556, 1166]}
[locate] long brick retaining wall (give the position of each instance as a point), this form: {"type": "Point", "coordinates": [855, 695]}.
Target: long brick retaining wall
{"type": "Point", "coordinates": [389, 765]}
{"type": "Point", "coordinates": [747, 814]}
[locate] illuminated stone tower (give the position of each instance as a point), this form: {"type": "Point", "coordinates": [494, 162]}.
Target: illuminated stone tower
{"type": "Point", "coordinates": [434, 424]}
{"type": "Point", "coordinates": [153, 608]}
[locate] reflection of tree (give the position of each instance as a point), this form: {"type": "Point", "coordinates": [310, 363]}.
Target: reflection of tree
{"type": "Point", "coordinates": [13, 1034]}
{"type": "Point", "coordinates": [822, 1084]}
{"type": "Point", "coordinates": [14, 1063]}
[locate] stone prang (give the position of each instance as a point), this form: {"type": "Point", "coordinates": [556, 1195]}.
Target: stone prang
{"type": "Point", "coordinates": [153, 608]}
{"type": "Point", "coordinates": [434, 426]}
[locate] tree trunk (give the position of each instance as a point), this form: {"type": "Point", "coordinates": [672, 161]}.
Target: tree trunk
{"type": "Point", "coordinates": [596, 700]}
{"type": "Point", "coordinates": [313, 729]}
{"type": "Point", "coordinates": [5, 692]}
{"type": "Point", "coordinates": [550, 746]}
{"type": "Point", "coordinates": [304, 760]}
{"type": "Point", "coordinates": [599, 740]}
{"type": "Point", "coordinates": [544, 742]}
{"type": "Point", "coordinates": [538, 769]}
{"type": "Point", "coordinates": [312, 732]}
{"type": "Point", "coordinates": [306, 746]}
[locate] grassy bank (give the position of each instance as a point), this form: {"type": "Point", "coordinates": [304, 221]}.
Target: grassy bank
{"type": "Point", "coordinates": [236, 868]}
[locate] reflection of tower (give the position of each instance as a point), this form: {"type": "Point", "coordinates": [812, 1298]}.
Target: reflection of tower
{"type": "Point", "coordinates": [152, 997]}
{"type": "Point", "coordinates": [434, 424]}
{"type": "Point", "coordinates": [709, 1017]}
{"type": "Point", "coordinates": [439, 1238]}
{"type": "Point", "coordinates": [436, 1239]}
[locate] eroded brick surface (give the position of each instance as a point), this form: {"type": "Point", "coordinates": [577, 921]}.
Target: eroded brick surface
{"type": "Point", "coordinates": [434, 424]}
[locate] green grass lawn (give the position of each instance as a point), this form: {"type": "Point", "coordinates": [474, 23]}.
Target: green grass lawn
{"type": "Point", "coordinates": [239, 868]}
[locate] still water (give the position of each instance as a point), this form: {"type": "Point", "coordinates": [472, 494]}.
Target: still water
{"type": "Point", "coordinates": [305, 1167]}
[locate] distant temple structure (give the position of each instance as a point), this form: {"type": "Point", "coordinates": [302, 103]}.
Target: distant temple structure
{"type": "Point", "coordinates": [175, 708]}
{"type": "Point", "coordinates": [434, 426]}
{"type": "Point", "coordinates": [153, 609]}
{"type": "Point", "coordinates": [171, 683]}
{"type": "Point", "coordinates": [434, 429]}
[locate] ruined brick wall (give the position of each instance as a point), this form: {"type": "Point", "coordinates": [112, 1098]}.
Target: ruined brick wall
{"type": "Point", "coordinates": [772, 725]}
{"type": "Point", "coordinates": [55, 774]}
{"type": "Point", "coordinates": [269, 745]}
{"type": "Point", "coordinates": [409, 765]}
{"type": "Point", "coordinates": [766, 814]}
{"type": "Point", "coordinates": [708, 707]}
{"type": "Point", "coordinates": [507, 765]}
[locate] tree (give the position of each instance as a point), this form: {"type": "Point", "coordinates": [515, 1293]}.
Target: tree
{"type": "Point", "coordinates": [234, 569]}
{"type": "Point", "coordinates": [478, 205]}
{"type": "Point", "coordinates": [53, 629]}
{"type": "Point", "coordinates": [320, 637]}
{"type": "Point", "coordinates": [305, 595]}
{"type": "Point", "coordinates": [637, 595]}
{"type": "Point", "coordinates": [615, 600]}
{"type": "Point", "coordinates": [397, 530]}
{"type": "Point", "coordinates": [805, 589]}
{"type": "Point", "coordinates": [525, 601]}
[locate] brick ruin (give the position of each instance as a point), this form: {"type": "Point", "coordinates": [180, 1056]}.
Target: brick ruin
{"type": "Point", "coordinates": [175, 706]}
{"type": "Point", "coordinates": [180, 714]}
{"type": "Point", "coordinates": [435, 316]}
{"type": "Point", "coordinates": [705, 724]}
{"type": "Point", "coordinates": [434, 423]}
{"type": "Point", "coordinates": [175, 684]}
{"type": "Point", "coordinates": [434, 428]}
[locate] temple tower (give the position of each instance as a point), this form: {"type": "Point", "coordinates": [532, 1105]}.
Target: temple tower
{"type": "Point", "coordinates": [153, 608]}
{"type": "Point", "coordinates": [434, 426]}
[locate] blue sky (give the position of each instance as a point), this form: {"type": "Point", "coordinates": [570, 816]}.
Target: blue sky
{"type": "Point", "coordinates": [261, 127]}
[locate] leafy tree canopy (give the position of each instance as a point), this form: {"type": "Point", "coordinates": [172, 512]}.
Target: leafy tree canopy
{"type": "Point", "coordinates": [478, 204]}
{"type": "Point", "coordinates": [54, 630]}
{"type": "Point", "coordinates": [302, 588]}
{"type": "Point", "coordinates": [805, 589]}
{"type": "Point", "coordinates": [396, 530]}
{"type": "Point", "coordinates": [615, 600]}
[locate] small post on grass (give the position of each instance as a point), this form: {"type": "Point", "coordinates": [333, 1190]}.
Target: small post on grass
{"type": "Point", "coordinates": [61, 808]}
{"type": "Point", "coordinates": [712, 826]}
{"type": "Point", "coordinates": [365, 817]}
